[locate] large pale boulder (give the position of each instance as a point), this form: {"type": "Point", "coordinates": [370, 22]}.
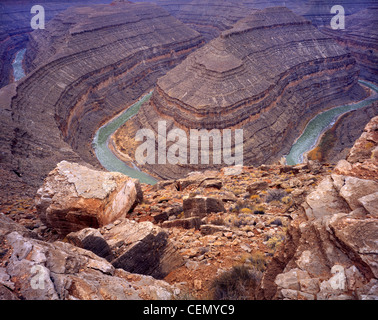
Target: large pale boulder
{"type": "Point", "coordinates": [36, 270]}
{"type": "Point", "coordinates": [141, 248]}
{"type": "Point", "coordinates": [74, 197]}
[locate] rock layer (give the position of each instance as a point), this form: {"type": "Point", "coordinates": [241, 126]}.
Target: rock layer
{"type": "Point", "coordinates": [208, 17]}
{"type": "Point", "coordinates": [268, 75]}
{"type": "Point", "coordinates": [89, 65]}
{"type": "Point", "coordinates": [360, 37]}
{"type": "Point", "coordinates": [331, 251]}
{"type": "Point", "coordinates": [15, 27]}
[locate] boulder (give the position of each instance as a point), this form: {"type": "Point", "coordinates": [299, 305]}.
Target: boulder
{"type": "Point", "coordinates": [141, 248]}
{"type": "Point", "coordinates": [325, 201]}
{"type": "Point", "coordinates": [37, 270]}
{"type": "Point", "coordinates": [257, 186]}
{"type": "Point", "coordinates": [200, 206]}
{"type": "Point", "coordinates": [355, 188]}
{"type": "Point", "coordinates": [370, 203]}
{"type": "Point", "coordinates": [74, 197]}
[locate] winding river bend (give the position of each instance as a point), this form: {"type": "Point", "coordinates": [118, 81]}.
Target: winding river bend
{"type": "Point", "coordinates": [106, 157]}
{"type": "Point", "coordinates": [303, 144]}
{"type": "Point", "coordinates": [320, 123]}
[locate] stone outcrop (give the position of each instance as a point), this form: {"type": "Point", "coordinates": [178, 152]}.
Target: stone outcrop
{"type": "Point", "coordinates": [331, 251]}
{"type": "Point", "coordinates": [74, 197]}
{"type": "Point", "coordinates": [360, 38]}
{"type": "Point", "coordinates": [135, 247]}
{"type": "Point", "coordinates": [53, 113]}
{"type": "Point", "coordinates": [268, 75]}
{"type": "Point", "coordinates": [31, 269]}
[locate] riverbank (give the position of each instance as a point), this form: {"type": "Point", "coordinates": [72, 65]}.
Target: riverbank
{"type": "Point", "coordinates": [316, 127]}
{"type": "Point", "coordinates": [104, 152]}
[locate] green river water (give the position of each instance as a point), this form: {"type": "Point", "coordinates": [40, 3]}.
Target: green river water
{"type": "Point", "coordinates": [320, 123]}
{"type": "Point", "coordinates": [306, 142]}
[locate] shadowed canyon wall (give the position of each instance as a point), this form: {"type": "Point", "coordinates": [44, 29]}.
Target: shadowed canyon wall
{"type": "Point", "coordinates": [15, 27]}
{"type": "Point", "coordinates": [88, 65]}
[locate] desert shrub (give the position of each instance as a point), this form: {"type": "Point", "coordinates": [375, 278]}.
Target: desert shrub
{"type": "Point", "coordinates": [275, 195]}
{"type": "Point", "coordinates": [274, 242]}
{"type": "Point", "coordinates": [239, 283]}
{"type": "Point", "coordinates": [218, 221]}
{"type": "Point", "coordinates": [258, 261]}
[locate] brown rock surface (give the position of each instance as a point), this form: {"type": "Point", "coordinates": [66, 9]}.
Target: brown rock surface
{"type": "Point", "coordinates": [74, 197]}
{"type": "Point", "coordinates": [36, 270]}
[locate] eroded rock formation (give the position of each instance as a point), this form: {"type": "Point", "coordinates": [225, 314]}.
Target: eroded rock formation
{"type": "Point", "coordinates": [208, 17]}
{"type": "Point", "coordinates": [32, 269]}
{"type": "Point", "coordinates": [74, 197]}
{"type": "Point", "coordinates": [331, 251]}
{"type": "Point", "coordinates": [268, 75]}
{"type": "Point", "coordinates": [88, 64]}
{"type": "Point", "coordinates": [360, 37]}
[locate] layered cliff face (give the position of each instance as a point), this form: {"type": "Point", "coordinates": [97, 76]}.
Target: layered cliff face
{"type": "Point", "coordinates": [268, 75]}
{"type": "Point", "coordinates": [15, 27]}
{"type": "Point", "coordinates": [319, 11]}
{"type": "Point", "coordinates": [360, 37]}
{"type": "Point", "coordinates": [209, 17]}
{"type": "Point", "coordinates": [89, 64]}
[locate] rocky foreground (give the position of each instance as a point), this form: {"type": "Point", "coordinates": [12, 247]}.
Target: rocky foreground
{"type": "Point", "coordinates": [297, 232]}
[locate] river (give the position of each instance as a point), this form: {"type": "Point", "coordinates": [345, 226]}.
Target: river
{"type": "Point", "coordinates": [320, 123]}
{"type": "Point", "coordinates": [106, 157]}
{"type": "Point", "coordinates": [18, 70]}
{"type": "Point", "coordinates": [306, 142]}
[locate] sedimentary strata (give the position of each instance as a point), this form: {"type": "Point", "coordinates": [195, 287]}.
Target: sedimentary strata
{"type": "Point", "coordinates": [209, 17]}
{"type": "Point", "coordinates": [360, 38]}
{"type": "Point", "coordinates": [268, 75]}
{"type": "Point", "coordinates": [331, 250]}
{"type": "Point", "coordinates": [88, 64]}
{"type": "Point", "coordinates": [15, 27]}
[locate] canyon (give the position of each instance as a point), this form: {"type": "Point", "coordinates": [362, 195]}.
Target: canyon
{"type": "Point", "coordinates": [269, 76]}
{"type": "Point", "coordinates": [52, 114]}
{"type": "Point", "coordinates": [72, 229]}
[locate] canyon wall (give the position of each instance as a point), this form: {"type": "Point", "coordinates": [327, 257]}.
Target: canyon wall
{"type": "Point", "coordinates": [88, 65]}
{"type": "Point", "coordinates": [15, 27]}
{"type": "Point", "coordinates": [268, 75]}
{"type": "Point", "coordinates": [360, 38]}
{"type": "Point", "coordinates": [208, 17]}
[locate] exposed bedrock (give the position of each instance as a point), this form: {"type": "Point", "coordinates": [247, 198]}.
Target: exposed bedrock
{"type": "Point", "coordinates": [15, 27]}
{"type": "Point", "coordinates": [269, 76]}
{"type": "Point", "coordinates": [89, 65]}
{"type": "Point", "coordinates": [360, 38]}
{"type": "Point", "coordinates": [208, 17]}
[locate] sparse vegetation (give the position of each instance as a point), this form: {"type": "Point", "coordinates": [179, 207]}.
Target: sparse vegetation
{"type": "Point", "coordinates": [239, 283]}
{"type": "Point", "coordinates": [275, 195]}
